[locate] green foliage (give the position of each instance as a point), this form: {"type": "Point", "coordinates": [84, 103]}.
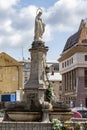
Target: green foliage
{"type": "Point", "coordinates": [49, 92]}
{"type": "Point", "coordinates": [77, 127]}
{"type": "Point", "coordinates": [57, 125]}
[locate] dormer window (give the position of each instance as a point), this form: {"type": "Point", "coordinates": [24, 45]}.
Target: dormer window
{"type": "Point", "coordinates": [84, 41]}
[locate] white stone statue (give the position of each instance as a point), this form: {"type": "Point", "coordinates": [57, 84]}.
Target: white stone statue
{"type": "Point", "coordinates": [39, 26]}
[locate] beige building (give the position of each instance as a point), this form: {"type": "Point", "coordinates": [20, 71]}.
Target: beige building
{"type": "Point", "coordinates": [11, 74]}
{"type": "Point", "coordinates": [73, 67]}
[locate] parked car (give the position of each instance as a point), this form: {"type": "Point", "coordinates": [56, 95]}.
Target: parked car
{"type": "Point", "coordinates": [79, 112]}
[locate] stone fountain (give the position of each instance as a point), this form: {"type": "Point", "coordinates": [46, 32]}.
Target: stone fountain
{"type": "Point", "coordinates": [34, 106]}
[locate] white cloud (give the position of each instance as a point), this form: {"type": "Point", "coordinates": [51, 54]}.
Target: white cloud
{"type": "Point", "coordinates": [6, 4]}
{"type": "Point", "coordinates": [17, 26]}
{"type": "Point", "coordinates": [66, 14]}
{"type": "Point", "coordinates": [47, 36]}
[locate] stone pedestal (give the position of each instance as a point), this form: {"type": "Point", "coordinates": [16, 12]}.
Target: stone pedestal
{"type": "Point", "coordinates": [35, 87]}
{"type": "Point", "coordinates": [38, 66]}
{"type": "Point", "coordinates": [45, 117]}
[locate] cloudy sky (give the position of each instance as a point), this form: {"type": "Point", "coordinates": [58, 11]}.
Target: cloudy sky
{"type": "Point", "coordinates": [62, 19]}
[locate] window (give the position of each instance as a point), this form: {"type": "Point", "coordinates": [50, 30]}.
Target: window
{"type": "Point", "coordinates": [60, 88]}
{"type": "Point", "coordinates": [84, 41]}
{"type": "Point", "coordinates": [67, 62]}
{"type": "Point", "coordinates": [85, 57]}
{"type": "Point", "coordinates": [56, 68]}
{"type": "Point", "coordinates": [60, 81]}
{"type": "Point", "coordinates": [62, 65]}
{"type": "Point", "coordinates": [59, 97]}
{"type": "Point", "coordinates": [85, 77]}
{"type": "Point", "coordinates": [72, 60]}
{"type": "Point", "coordinates": [25, 79]}
{"type": "Point", "coordinates": [26, 66]}
{"type": "Point", "coordinates": [52, 73]}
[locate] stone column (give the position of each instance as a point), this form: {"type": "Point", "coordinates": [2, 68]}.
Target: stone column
{"type": "Point", "coordinates": [38, 65]}
{"type": "Point", "coordinates": [34, 89]}
{"type": "Point", "coordinates": [46, 107]}
{"type": "Point", "coordinates": [45, 117]}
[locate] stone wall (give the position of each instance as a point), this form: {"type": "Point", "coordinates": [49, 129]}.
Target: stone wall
{"type": "Point", "coordinates": [25, 126]}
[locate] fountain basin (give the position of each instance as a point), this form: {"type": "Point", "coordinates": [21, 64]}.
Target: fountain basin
{"type": "Point", "coordinates": [63, 116]}
{"type": "Point", "coordinates": [24, 116]}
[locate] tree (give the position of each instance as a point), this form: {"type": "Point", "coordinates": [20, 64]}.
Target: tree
{"type": "Point", "coordinates": [49, 92]}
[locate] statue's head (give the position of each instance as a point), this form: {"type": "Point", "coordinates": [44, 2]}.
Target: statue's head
{"type": "Point", "coordinates": [39, 11]}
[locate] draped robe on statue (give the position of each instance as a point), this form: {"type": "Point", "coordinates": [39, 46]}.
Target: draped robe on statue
{"type": "Point", "coordinates": [39, 27]}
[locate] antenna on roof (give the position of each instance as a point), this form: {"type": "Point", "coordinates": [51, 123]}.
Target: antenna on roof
{"type": "Point", "coordinates": [22, 54]}
{"type": "Point", "coordinates": [86, 22]}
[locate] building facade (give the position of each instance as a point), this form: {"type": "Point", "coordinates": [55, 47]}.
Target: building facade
{"type": "Point", "coordinates": [55, 79]}
{"type": "Point", "coordinates": [26, 69]}
{"type": "Point", "coordinates": [56, 82]}
{"type": "Point", "coordinates": [73, 67]}
{"type": "Point", "coordinates": [11, 76]}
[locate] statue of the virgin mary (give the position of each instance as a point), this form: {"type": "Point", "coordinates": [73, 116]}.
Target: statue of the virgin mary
{"type": "Point", "coordinates": [39, 26]}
